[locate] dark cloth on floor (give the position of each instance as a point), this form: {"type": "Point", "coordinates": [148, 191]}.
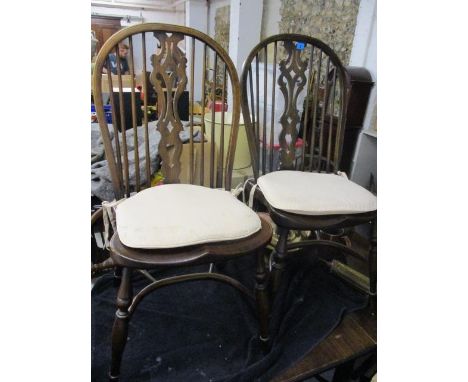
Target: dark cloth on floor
{"type": "Point", "coordinates": [207, 331]}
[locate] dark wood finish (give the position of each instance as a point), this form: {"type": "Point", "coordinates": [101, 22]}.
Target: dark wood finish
{"type": "Point", "coordinates": [373, 268]}
{"type": "Point", "coordinates": [122, 318]}
{"type": "Point", "coordinates": [122, 124]}
{"type": "Point", "coordinates": [169, 71]}
{"type": "Point", "coordinates": [279, 257]}
{"type": "Point", "coordinates": [361, 86]}
{"type": "Point", "coordinates": [265, 91]}
{"type": "Point", "coordinates": [257, 92]}
{"type": "Point", "coordinates": [213, 97]}
{"type": "Point", "coordinates": [192, 103]}
{"type": "Point", "coordinates": [261, 295]}
{"type": "Point", "coordinates": [355, 336]}
{"type": "Point", "coordinates": [130, 258]}
{"type": "Point", "coordinates": [192, 255]}
{"type": "Point", "coordinates": [202, 167]}
{"type": "Point", "coordinates": [102, 266]}
{"type": "Point", "coordinates": [145, 105]}
{"type": "Point", "coordinates": [221, 149]}
{"type": "Point", "coordinates": [308, 222]}
{"type": "Point", "coordinates": [104, 28]}
{"type": "Point", "coordinates": [273, 99]}
{"type": "Point", "coordinates": [157, 284]}
{"type": "Point", "coordinates": [291, 81]}
{"type": "Point", "coordinates": [134, 115]}
{"type": "Point", "coordinates": [348, 250]}
{"type": "Point", "coordinates": [316, 72]}
{"type": "Point", "coordinates": [314, 111]}
{"type": "Point", "coordinates": [326, 89]}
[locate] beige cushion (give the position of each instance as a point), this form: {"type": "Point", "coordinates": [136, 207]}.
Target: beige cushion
{"type": "Point", "coordinates": [177, 215]}
{"type": "Point", "coordinates": [315, 194]}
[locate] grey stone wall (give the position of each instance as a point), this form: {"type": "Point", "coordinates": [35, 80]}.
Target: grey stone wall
{"type": "Point", "coordinates": [222, 26]}
{"type": "Point", "coordinates": [332, 21]}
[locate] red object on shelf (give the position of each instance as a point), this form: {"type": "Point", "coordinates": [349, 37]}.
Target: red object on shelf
{"type": "Point", "coordinates": [276, 146]}
{"type": "Point", "coordinates": [218, 106]}
{"type": "Point", "coordinates": [142, 95]}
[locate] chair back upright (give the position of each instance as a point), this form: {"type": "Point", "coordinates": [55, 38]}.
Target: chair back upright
{"type": "Point", "coordinates": [179, 59]}
{"type": "Point", "coordinates": [294, 95]}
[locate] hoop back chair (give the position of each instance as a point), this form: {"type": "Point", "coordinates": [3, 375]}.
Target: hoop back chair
{"type": "Point", "coordinates": [294, 96]}
{"type": "Point", "coordinates": [188, 220]}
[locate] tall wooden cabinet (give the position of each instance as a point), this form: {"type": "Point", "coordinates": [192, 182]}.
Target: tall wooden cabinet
{"type": "Point", "coordinates": [104, 27]}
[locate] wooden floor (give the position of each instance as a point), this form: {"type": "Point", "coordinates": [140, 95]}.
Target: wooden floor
{"type": "Point", "coordinates": [355, 336]}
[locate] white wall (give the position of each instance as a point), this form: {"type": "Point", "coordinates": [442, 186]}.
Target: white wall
{"type": "Point", "coordinates": [364, 51]}
{"type": "Point", "coordinates": [245, 29]}
{"type": "Point", "coordinates": [196, 14]}
{"type": "Point", "coordinates": [170, 16]}
{"type": "Point", "coordinates": [271, 18]}
{"type": "Point", "coordinates": [364, 54]}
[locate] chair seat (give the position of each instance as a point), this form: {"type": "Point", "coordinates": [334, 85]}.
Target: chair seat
{"type": "Point", "coordinates": [148, 258]}
{"type": "Point", "coordinates": [179, 215]}
{"type": "Point", "coordinates": [318, 194]}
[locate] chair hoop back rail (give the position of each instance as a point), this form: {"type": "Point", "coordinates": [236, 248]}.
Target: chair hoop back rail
{"type": "Point", "coordinates": [169, 67]}
{"type": "Point", "coordinates": [315, 71]}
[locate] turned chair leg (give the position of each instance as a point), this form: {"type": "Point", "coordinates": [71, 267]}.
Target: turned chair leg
{"type": "Point", "coordinates": [279, 257]}
{"type": "Point", "coordinates": [117, 276]}
{"type": "Point", "coordinates": [122, 318]}
{"type": "Point", "coordinates": [106, 264]}
{"type": "Point", "coordinates": [373, 269]}
{"type": "Point", "coordinates": [261, 298]}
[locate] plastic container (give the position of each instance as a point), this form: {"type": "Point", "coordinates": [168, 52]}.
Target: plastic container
{"type": "Point", "coordinates": [218, 106]}
{"type": "Point", "coordinates": [107, 110]}
{"type": "Point", "coordinates": [93, 114]}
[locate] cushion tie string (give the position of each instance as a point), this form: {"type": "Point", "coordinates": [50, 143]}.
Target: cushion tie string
{"type": "Point", "coordinates": [108, 216]}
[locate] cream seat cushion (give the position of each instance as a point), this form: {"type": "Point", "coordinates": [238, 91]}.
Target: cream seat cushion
{"type": "Point", "coordinates": [177, 215]}
{"type": "Point", "coordinates": [308, 193]}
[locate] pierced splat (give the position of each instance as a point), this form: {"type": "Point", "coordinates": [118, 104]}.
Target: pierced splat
{"type": "Point", "coordinates": [291, 82]}
{"type": "Point", "coordinates": [169, 80]}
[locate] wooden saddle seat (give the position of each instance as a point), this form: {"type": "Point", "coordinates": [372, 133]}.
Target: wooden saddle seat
{"type": "Point", "coordinates": [305, 200]}
{"type": "Point", "coordinates": [207, 233]}
{"type": "Point", "coordinates": [191, 255]}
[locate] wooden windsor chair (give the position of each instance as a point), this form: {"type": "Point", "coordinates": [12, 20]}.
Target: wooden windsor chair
{"type": "Point", "coordinates": [192, 218]}
{"type": "Point", "coordinates": [281, 75]}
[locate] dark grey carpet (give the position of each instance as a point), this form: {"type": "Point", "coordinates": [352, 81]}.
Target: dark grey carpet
{"type": "Point", "coordinates": [206, 331]}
